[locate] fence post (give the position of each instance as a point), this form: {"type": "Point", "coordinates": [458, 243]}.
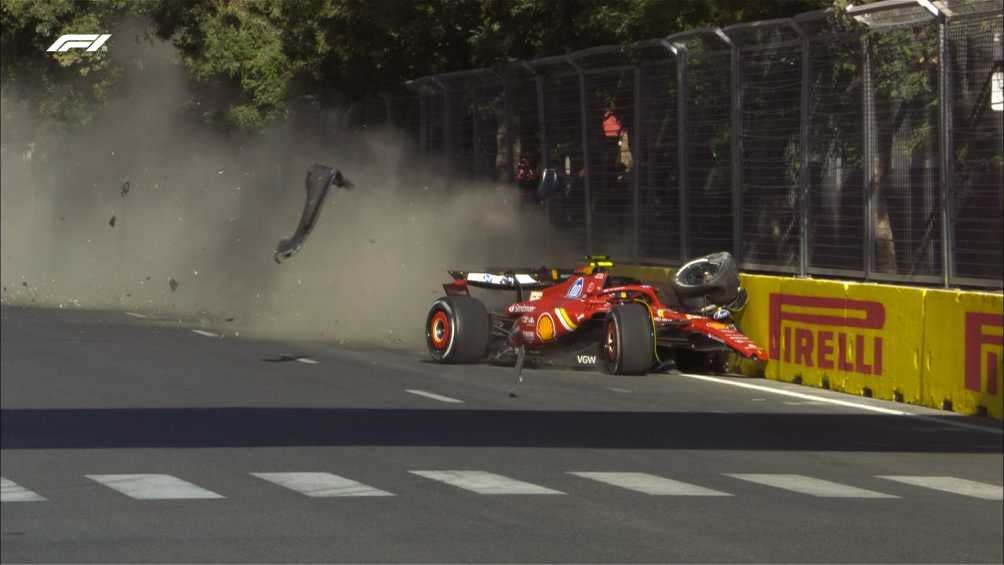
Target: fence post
{"type": "Point", "coordinates": [423, 124]}
{"type": "Point", "coordinates": [447, 126]}
{"type": "Point", "coordinates": [681, 124]}
{"type": "Point", "coordinates": [541, 117]}
{"type": "Point", "coordinates": [736, 149]}
{"type": "Point", "coordinates": [867, 159]}
{"type": "Point", "coordinates": [475, 128]}
{"type": "Point", "coordinates": [945, 150]}
{"type": "Point", "coordinates": [804, 170]}
{"type": "Point", "coordinates": [538, 82]}
{"type": "Point", "coordinates": [636, 166]}
{"type": "Point", "coordinates": [585, 155]}
{"type": "Point", "coordinates": [507, 118]}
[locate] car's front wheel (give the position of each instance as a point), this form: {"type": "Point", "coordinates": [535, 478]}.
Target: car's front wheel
{"type": "Point", "coordinates": [457, 329]}
{"type": "Point", "coordinates": [628, 340]}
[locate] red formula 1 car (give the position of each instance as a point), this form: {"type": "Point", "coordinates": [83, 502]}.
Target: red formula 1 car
{"type": "Point", "coordinates": [588, 317]}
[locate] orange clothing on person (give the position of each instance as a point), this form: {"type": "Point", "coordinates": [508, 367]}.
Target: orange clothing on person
{"type": "Point", "coordinates": [611, 125]}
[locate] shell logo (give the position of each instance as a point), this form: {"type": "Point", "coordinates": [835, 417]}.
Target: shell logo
{"type": "Point", "coordinates": [545, 327]}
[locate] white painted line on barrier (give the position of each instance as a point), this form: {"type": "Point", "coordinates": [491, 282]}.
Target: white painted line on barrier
{"type": "Point", "coordinates": [135, 315]}
{"type": "Point", "coordinates": [205, 333]}
{"type": "Point", "coordinates": [794, 394]}
{"type": "Point", "coordinates": [801, 403]}
{"type": "Point", "coordinates": [822, 399]}
{"type": "Point", "coordinates": [650, 484]}
{"type": "Point", "coordinates": [953, 485]}
{"type": "Point", "coordinates": [13, 492]}
{"type": "Point", "coordinates": [483, 482]}
{"type": "Point", "coordinates": [809, 485]}
{"type": "Point", "coordinates": [434, 396]}
{"type": "Point", "coordinates": [321, 485]}
{"type": "Point", "coordinates": [154, 487]}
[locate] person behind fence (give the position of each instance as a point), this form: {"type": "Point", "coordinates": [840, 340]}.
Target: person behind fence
{"type": "Point", "coordinates": [611, 136]}
{"type": "Point", "coordinates": [527, 179]}
{"type": "Point", "coordinates": [617, 152]}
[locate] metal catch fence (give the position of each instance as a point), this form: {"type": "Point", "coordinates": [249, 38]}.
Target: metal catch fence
{"type": "Point", "coordinates": [864, 145]}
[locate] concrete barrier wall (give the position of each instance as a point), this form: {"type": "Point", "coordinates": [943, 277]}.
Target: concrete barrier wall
{"type": "Point", "coordinates": [937, 348]}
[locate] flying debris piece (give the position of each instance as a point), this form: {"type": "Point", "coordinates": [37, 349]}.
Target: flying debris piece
{"type": "Point", "coordinates": [125, 188]}
{"type": "Point", "coordinates": [319, 180]}
{"type": "Point", "coordinates": [111, 222]}
{"type": "Point", "coordinates": [229, 319]}
{"type": "Point", "coordinates": [173, 284]}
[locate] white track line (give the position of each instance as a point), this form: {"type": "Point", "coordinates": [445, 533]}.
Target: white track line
{"type": "Point", "coordinates": [135, 315]}
{"type": "Point", "coordinates": [952, 484]}
{"type": "Point", "coordinates": [811, 486]}
{"type": "Point", "coordinates": [321, 485]}
{"type": "Point", "coordinates": [205, 333]}
{"type": "Point", "coordinates": [434, 396]}
{"type": "Point", "coordinates": [154, 487]}
{"type": "Point", "coordinates": [838, 402]}
{"type": "Point", "coordinates": [307, 360]}
{"type": "Point", "coordinates": [650, 484]}
{"type": "Point", "coordinates": [483, 482]}
{"type": "Point", "coordinates": [13, 492]}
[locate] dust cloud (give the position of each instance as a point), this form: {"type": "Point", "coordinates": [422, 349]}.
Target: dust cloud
{"type": "Point", "coordinates": [147, 210]}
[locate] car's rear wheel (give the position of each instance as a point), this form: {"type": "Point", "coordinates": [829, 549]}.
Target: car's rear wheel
{"type": "Point", "coordinates": [628, 340]}
{"type": "Point", "coordinates": [457, 329]}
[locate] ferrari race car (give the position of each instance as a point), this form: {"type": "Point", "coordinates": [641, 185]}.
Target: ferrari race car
{"type": "Point", "coordinates": [588, 317]}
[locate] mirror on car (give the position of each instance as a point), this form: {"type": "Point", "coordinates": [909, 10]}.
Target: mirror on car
{"type": "Point", "coordinates": [550, 185]}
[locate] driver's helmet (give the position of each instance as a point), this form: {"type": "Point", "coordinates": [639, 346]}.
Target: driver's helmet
{"type": "Point", "coordinates": [594, 264]}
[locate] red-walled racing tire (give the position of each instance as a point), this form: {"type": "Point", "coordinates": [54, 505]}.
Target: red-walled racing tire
{"type": "Point", "coordinates": [457, 329]}
{"type": "Point", "coordinates": [628, 346]}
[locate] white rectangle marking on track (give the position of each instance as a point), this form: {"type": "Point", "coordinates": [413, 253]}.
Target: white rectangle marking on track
{"type": "Point", "coordinates": [483, 482]}
{"type": "Point", "coordinates": [809, 485]}
{"type": "Point", "coordinates": [135, 315]}
{"type": "Point", "coordinates": [154, 487]}
{"type": "Point", "coordinates": [321, 485]}
{"type": "Point", "coordinates": [434, 396]}
{"type": "Point", "coordinates": [307, 360]}
{"type": "Point", "coordinates": [953, 485]}
{"type": "Point", "coordinates": [650, 484]}
{"type": "Point", "coordinates": [205, 333]}
{"type": "Point", "coordinates": [13, 492]}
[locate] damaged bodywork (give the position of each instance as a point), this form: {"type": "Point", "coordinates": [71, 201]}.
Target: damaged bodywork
{"type": "Point", "coordinates": [319, 181]}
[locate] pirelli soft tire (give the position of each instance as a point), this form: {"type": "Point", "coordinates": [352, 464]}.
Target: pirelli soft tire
{"type": "Point", "coordinates": [457, 329]}
{"type": "Point", "coordinates": [629, 340]}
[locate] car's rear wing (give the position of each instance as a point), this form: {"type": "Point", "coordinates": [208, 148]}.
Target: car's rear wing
{"type": "Point", "coordinates": [505, 279]}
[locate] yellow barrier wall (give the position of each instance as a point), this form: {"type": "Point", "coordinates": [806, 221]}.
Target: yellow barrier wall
{"type": "Point", "coordinates": [936, 348]}
{"type": "Point", "coordinates": [963, 358]}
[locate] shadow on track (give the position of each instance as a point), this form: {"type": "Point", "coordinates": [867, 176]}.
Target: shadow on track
{"type": "Point", "coordinates": [270, 427]}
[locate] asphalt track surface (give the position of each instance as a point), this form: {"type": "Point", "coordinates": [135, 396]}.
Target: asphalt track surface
{"type": "Point", "coordinates": [137, 440]}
